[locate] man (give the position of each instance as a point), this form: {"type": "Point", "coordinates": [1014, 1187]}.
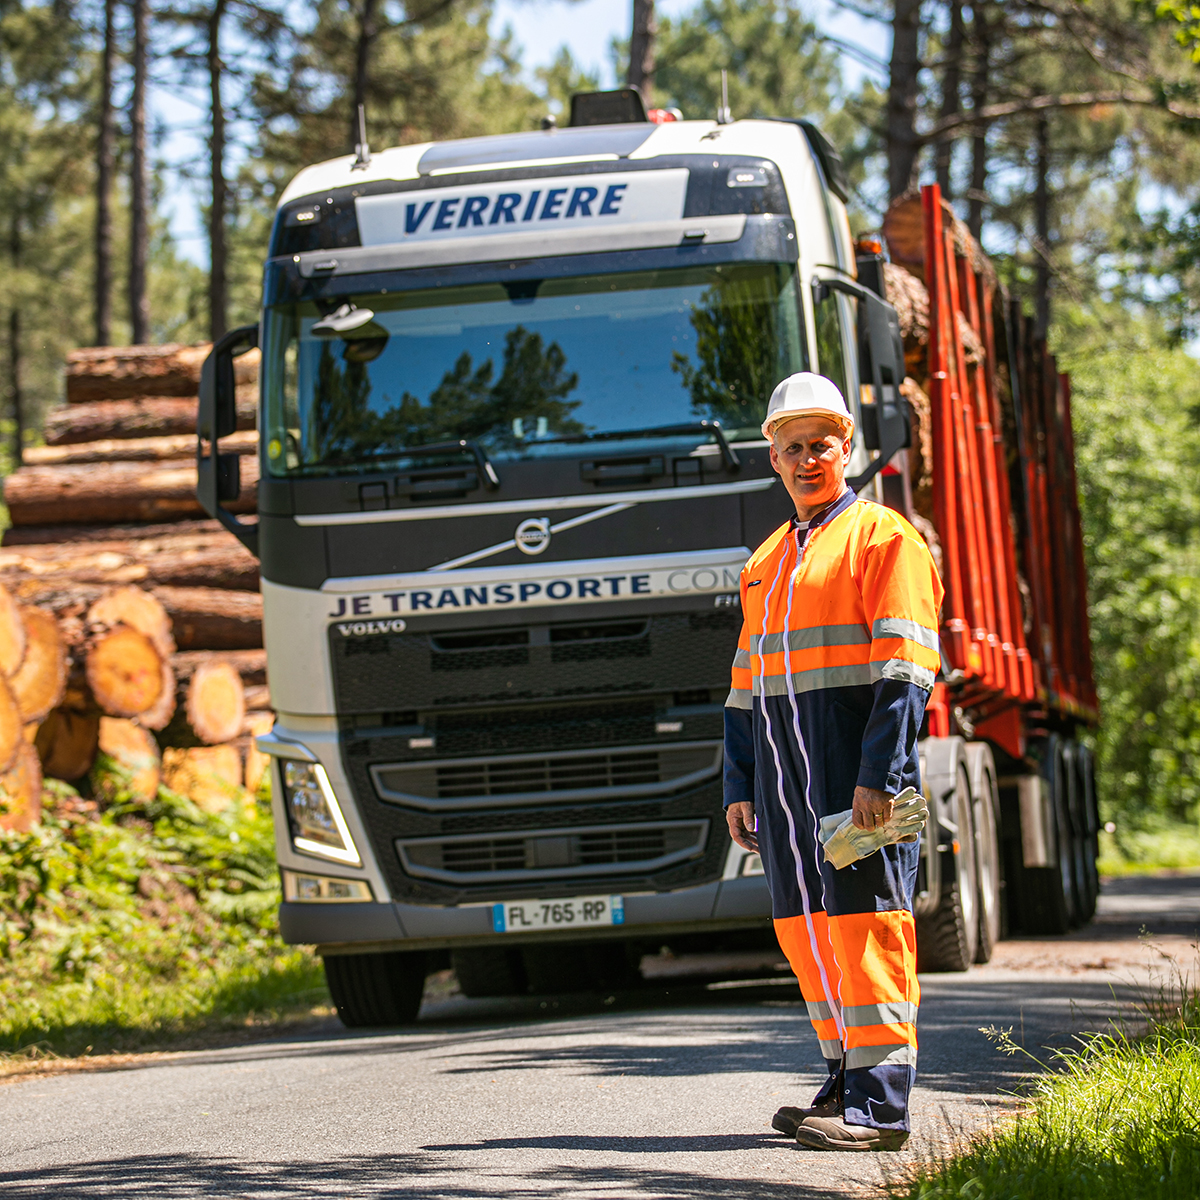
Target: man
{"type": "Point", "coordinates": [837, 656]}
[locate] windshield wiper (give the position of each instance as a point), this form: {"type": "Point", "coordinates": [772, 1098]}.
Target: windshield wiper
{"type": "Point", "coordinates": [729, 456]}
{"type": "Point", "coordinates": [486, 471]}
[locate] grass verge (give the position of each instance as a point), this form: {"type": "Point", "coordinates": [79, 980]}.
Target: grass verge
{"type": "Point", "coordinates": [1160, 846]}
{"type": "Point", "coordinates": [1119, 1119]}
{"type": "Point", "coordinates": [142, 926]}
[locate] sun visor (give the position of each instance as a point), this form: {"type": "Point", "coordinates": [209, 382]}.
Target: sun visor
{"type": "Point", "coordinates": [593, 143]}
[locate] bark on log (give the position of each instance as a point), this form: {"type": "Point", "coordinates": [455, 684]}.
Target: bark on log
{"type": "Point", "coordinates": [216, 703]}
{"type": "Point", "coordinates": [119, 372]}
{"type": "Point", "coordinates": [139, 610]}
{"type": "Point", "coordinates": [211, 776]}
{"type": "Point", "coordinates": [12, 633]}
{"type": "Point", "coordinates": [213, 619]}
{"type": "Point", "coordinates": [21, 790]}
{"type": "Point", "coordinates": [209, 560]}
{"type": "Point", "coordinates": [144, 417]}
{"type": "Point", "coordinates": [67, 742]}
{"type": "Point", "coordinates": [134, 449]}
{"type": "Point", "coordinates": [106, 493]}
{"type": "Point", "coordinates": [132, 747]}
{"type": "Point", "coordinates": [124, 671]}
{"type": "Point", "coordinates": [39, 682]}
{"type": "Point", "coordinates": [11, 726]}
{"type": "Point", "coordinates": [64, 535]}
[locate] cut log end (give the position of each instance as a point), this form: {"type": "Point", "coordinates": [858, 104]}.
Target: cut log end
{"type": "Point", "coordinates": [12, 634]}
{"type": "Point", "coordinates": [158, 715]}
{"type": "Point", "coordinates": [21, 790]}
{"type": "Point", "coordinates": [67, 742]}
{"type": "Point", "coordinates": [125, 672]}
{"type": "Point", "coordinates": [12, 732]}
{"type": "Point", "coordinates": [216, 702]}
{"type": "Point", "coordinates": [41, 679]}
{"type": "Point", "coordinates": [134, 749]}
{"type": "Point", "coordinates": [210, 776]}
{"type": "Point", "coordinates": [139, 610]}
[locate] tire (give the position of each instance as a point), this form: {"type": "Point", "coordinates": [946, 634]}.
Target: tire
{"type": "Point", "coordinates": [985, 813]}
{"type": "Point", "coordinates": [947, 939]}
{"type": "Point", "coordinates": [373, 990]}
{"type": "Point", "coordinates": [1085, 770]}
{"type": "Point", "coordinates": [490, 971]}
{"type": "Point", "coordinates": [1047, 893]}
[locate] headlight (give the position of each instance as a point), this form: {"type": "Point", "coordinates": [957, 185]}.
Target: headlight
{"type": "Point", "coordinates": [316, 821]}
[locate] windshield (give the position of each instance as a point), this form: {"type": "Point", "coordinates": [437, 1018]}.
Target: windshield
{"type": "Point", "coordinates": [526, 369]}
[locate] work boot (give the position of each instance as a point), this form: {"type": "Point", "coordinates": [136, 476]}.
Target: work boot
{"type": "Point", "coordinates": [825, 1133]}
{"type": "Point", "coordinates": [787, 1120]}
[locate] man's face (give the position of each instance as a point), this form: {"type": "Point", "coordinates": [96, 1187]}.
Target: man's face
{"type": "Point", "coordinates": [810, 455]}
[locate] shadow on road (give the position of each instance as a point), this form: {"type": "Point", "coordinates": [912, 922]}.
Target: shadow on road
{"type": "Point", "coordinates": [427, 1175]}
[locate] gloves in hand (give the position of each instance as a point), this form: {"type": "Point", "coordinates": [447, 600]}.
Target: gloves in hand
{"type": "Point", "coordinates": [845, 843]}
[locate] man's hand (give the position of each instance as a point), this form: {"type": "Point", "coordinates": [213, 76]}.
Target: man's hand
{"type": "Point", "coordinates": [871, 807]}
{"type": "Point", "coordinates": [742, 825]}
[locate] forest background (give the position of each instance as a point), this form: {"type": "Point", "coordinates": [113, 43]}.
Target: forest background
{"type": "Point", "coordinates": [1067, 133]}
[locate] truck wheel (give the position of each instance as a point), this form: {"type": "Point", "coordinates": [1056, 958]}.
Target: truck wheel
{"type": "Point", "coordinates": [985, 814]}
{"type": "Point", "coordinates": [948, 937]}
{"type": "Point", "coordinates": [376, 989]}
{"type": "Point", "coordinates": [490, 971]}
{"type": "Point", "coordinates": [1086, 784]}
{"type": "Point", "coordinates": [1047, 893]}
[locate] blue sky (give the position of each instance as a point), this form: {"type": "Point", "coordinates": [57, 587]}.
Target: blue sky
{"type": "Point", "coordinates": [540, 28]}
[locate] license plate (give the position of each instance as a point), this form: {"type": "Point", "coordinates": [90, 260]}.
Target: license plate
{"type": "Point", "coordinates": [579, 912]}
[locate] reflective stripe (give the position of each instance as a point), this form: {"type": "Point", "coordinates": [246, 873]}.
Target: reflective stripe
{"type": "Point", "coordinates": [901, 627]}
{"type": "Point", "coordinates": [810, 639]}
{"type": "Point", "coordinates": [902, 1055]}
{"type": "Point", "coordinates": [741, 660]}
{"type": "Point", "coordinates": [858, 675]}
{"type": "Point", "coordinates": [740, 698]}
{"type": "Point", "coordinates": [894, 1012]}
{"type": "Point", "coordinates": [831, 1050]}
{"type": "Point", "coordinates": [818, 1010]}
{"type": "Point", "coordinates": [903, 671]}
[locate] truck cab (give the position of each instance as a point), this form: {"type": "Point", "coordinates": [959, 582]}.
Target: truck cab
{"type": "Point", "coordinates": [510, 467]}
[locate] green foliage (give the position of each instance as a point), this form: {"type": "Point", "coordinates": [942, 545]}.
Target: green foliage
{"type": "Point", "coordinates": [1134, 405]}
{"type": "Point", "coordinates": [1185, 18]}
{"type": "Point", "coordinates": [1116, 1119]}
{"type": "Point", "coordinates": [1148, 843]}
{"type": "Point", "coordinates": [149, 921]}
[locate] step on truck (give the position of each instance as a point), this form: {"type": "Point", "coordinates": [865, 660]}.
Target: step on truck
{"type": "Point", "coordinates": [509, 470]}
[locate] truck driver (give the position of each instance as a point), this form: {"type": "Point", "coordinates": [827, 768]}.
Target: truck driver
{"type": "Point", "coordinates": [836, 660]}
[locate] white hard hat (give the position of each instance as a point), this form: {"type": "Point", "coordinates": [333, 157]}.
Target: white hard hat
{"type": "Point", "coordinates": [806, 395]}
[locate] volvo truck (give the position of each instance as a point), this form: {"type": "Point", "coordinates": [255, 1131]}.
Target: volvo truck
{"type": "Point", "coordinates": [509, 470]}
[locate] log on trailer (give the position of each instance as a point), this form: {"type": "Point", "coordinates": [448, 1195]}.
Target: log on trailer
{"type": "Point", "coordinates": [134, 449]}
{"type": "Point", "coordinates": [46, 536]}
{"type": "Point", "coordinates": [145, 417]}
{"type": "Point", "coordinates": [213, 618]}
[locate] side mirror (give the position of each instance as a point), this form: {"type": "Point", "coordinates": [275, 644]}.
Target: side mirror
{"type": "Point", "coordinates": [881, 366]}
{"type": "Point", "coordinates": [218, 476]}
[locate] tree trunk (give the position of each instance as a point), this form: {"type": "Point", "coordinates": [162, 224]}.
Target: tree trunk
{"type": "Point", "coordinates": [980, 93]}
{"type": "Point", "coordinates": [16, 399]}
{"type": "Point", "coordinates": [1041, 245]}
{"type": "Point", "coordinates": [367, 32]}
{"type": "Point", "coordinates": [151, 449]}
{"type": "Point", "coordinates": [105, 493]}
{"type": "Point", "coordinates": [139, 187]}
{"type": "Point", "coordinates": [951, 82]}
{"type": "Point", "coordinates": [218, 305]}
{"type": "Point", "coordinates": [642, 45]}
{"type": "Point", "coordinates": [104, 174]}
{"type": "Point", "coordinates": [152, 416]}
{"type": "Point", "coordinates": [902, 97]}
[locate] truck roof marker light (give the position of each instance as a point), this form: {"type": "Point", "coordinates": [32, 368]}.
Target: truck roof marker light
{"type": "Point", "coordinates": [314, 815]}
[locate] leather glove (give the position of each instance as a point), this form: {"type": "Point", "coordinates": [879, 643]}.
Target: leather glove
{"type": "Point", "coordinates": [845, 843]}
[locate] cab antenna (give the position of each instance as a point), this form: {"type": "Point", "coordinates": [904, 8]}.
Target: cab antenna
{"type": "Point", "coordinates": [724, 117]}
{"type": "Point", "coordinates": [362, 152]}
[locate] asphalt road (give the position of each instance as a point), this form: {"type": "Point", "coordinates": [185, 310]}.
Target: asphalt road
{"type": "Point", "coordinates": [664, 1093]}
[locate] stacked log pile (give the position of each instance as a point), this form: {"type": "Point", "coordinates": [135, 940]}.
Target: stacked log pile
{"type": "Point", "coordinates": [130, 625]}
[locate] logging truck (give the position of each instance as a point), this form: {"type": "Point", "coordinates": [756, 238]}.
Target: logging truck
{"type": "Point", "coordinates": [509, 468]}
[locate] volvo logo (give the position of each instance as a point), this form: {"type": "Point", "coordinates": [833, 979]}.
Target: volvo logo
{"type": "Point", "coordinates": [533, 536]}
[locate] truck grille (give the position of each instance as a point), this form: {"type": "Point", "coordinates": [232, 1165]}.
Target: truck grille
{"type": "Point", "coordinates": [541, 854]}
{"type": "Point", "coordinates": [564, 776]}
